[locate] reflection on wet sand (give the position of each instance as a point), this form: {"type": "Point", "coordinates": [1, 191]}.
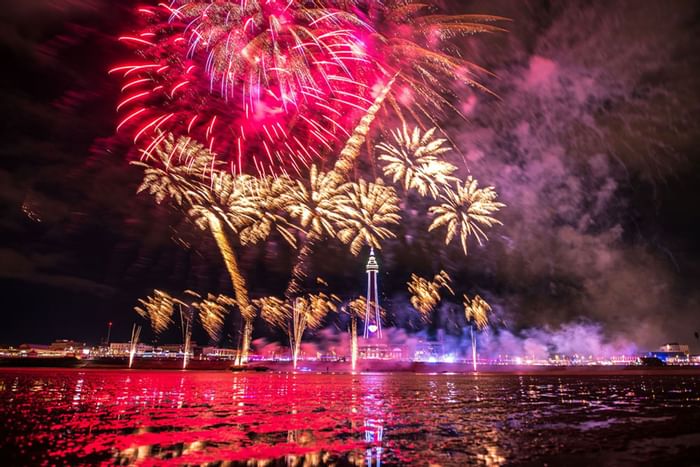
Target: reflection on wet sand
{"type": "Point", "coordinates": [175, 418]}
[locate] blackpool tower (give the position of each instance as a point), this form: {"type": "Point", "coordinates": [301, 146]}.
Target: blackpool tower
{"type": "Point", "coordinates": [373, 321]}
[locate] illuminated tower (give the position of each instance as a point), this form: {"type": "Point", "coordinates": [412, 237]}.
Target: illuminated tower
{"type": "Point", "coordinates": [373, 321]}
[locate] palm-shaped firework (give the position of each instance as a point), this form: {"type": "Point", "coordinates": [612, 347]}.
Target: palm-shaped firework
{"type": "Point", "coordinates": [315, 205]}
{"type": "Point", "coordinates": [425, 293]}
{"type": "Point", "coordinates": [477, 312]}
{"type": "Point", "coordinates": [367, 210]}
{"type": "Point", "coordinates": [415, 161]}
{"type": "Point", "coordinates": [295, 317]}
{"type": "Point", "coordinates": [212, 312]}
{"type": "Point", "coordinates": [158, 310]}
{"type": "Point", "coordinates": [190, 175]}
{"type": "Point", "coordinates": [465, 211]}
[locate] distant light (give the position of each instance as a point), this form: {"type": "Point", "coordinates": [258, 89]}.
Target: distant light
{"type": "Point", "coordinates": [372, 328]}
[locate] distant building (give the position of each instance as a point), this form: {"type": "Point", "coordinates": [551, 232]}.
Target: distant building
{"type": "Point", "coordinates": [428, 351]}
{"type": "Point", "coordinates": [66, 345]}
{"type": "Point", "coordinates": [219, 352]}
{"type": "Point", "coordinates": [675, 347]}
{"type": "Point", "coordinates": [39, 350]}
{"type": "Point", "coordinates": [379, 351]}
{"type": "Point", "coordinates": [123, 348]}
{"type": "Point", "coordinates": [171, 348]}
{"type": "Point", "coordinates": [672, 353]}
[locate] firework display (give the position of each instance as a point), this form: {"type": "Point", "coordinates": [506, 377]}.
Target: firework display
{"type": "Point", "coordinates": [212, 311]}
{"type": "Point", "coordinates": [234, 103]}
{"type": "Point", "coordinates": [306, 312]}
{"type": "Point", "coordinates": [271, 85]}
{"type": "Point", "coordinates": [368, 211]}
{"type": "Point", "coordinates": [477, 311]}
{"type": "Point", "coordinates": [314, 232]}
{"type": "Point", "coordinates": [357, 213]}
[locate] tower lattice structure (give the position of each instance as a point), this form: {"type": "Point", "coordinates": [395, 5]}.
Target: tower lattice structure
{"type": "Point", "coordinates": [373, 320]}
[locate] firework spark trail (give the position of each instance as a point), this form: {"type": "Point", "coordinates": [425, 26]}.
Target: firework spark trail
{"type": "Point", "coordinates": [308, 312]}
{"type": "Point", "coordinates": [133, 343]}
{"type": "Point", "coordinates": [315, 205]}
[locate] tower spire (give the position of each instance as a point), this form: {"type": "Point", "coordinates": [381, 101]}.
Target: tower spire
{"type": "Point", "coordinates": [373, 321]}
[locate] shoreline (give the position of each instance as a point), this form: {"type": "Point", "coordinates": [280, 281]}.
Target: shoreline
{"type": "Point", "coordinates": [363, 366]}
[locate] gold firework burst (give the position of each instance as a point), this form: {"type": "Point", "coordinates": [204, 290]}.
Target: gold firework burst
{"type": "Point", "coordinates": [158, 309]}
{"type": "Point", "coordinates": [212, 312]}
{"type": "Point", "coordinates": [466, 211]}
{"type": "Point", "coordinates": [416, 161]}
{"type": "Point", "coordinates": [425, 293]}
{"type": "Point", "coordinates": [477, 311]}
{"type": "Point", "coordinates": [367, 210]}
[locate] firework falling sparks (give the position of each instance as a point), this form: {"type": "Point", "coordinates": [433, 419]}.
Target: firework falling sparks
{"type": "Point", "coordinates": [410, 42]}
{"type": "Point", "coordinates": [274, 311]}
{"type": "Point", "coordinates": [212, 312]}
{"type": "Point", "coordinates": [465, 211]}
{"type": "Point", "coordinates": [415, 161]}
{"type": "Point", "coordinates": [425, 293]}
{"type": "Point", "coordinates": [158, 310]}
{"type": "Point", "coordinates": [367, 210]}
{"type": "Point", "coordinates": [477, 312]}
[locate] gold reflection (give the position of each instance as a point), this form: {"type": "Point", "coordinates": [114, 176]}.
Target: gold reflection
{"type": "Point", "coordinates": [492, 457]}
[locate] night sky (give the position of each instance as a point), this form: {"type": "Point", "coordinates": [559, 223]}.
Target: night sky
{"type": "Point", "coordinates": [592, 143]}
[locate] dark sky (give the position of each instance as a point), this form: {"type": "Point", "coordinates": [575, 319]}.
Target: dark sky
{"type": "Point", "coordinates": [592, 143]}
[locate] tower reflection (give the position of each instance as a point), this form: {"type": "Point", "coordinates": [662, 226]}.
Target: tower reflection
{"type": "Point", "coordinates": [374, 412]}
{"type": "Point", "coordinates": [374, 436]}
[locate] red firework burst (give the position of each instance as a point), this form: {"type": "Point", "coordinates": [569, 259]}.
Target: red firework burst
{"type": "Point", "coordinates": [266, 85]}
{"type": "Point", "coordinates": [269, 85]}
